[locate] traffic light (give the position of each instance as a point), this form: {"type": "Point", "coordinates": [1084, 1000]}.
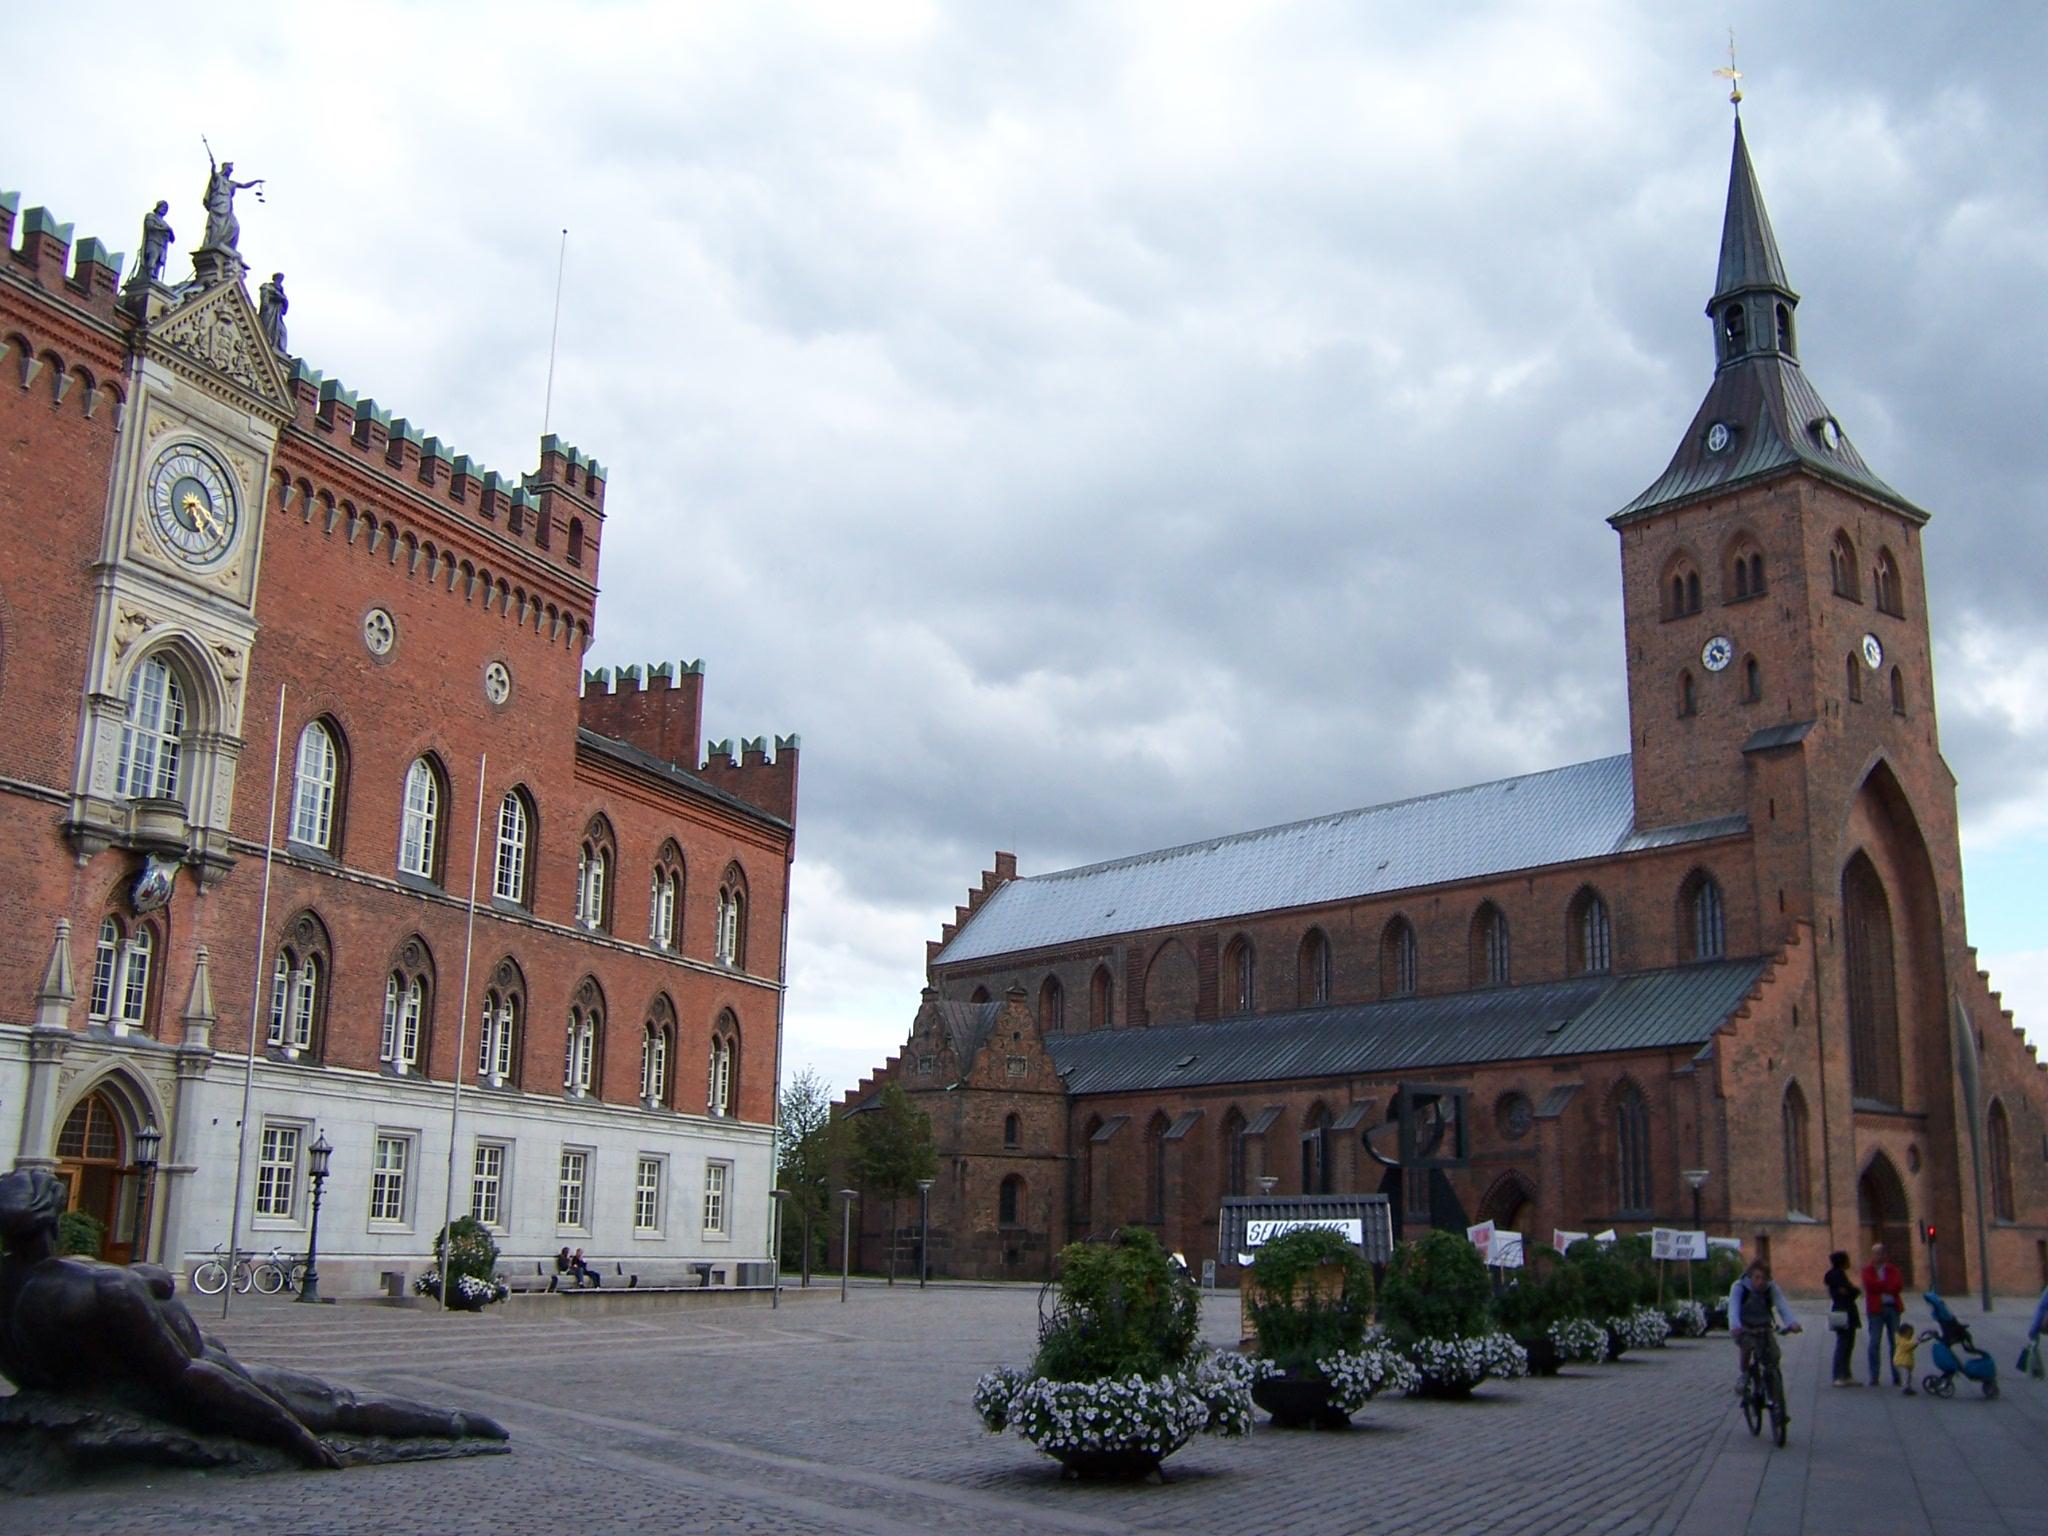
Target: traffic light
{"type": "Point", "coordinates": [1929, 1229]}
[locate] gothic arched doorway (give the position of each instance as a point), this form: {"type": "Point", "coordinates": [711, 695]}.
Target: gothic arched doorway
{"type": "Point", "coordinates": [93, 1162]}
{"type": "Point", "coordinates": [1507, 1203]}
{"type": "Point", "coordinates": [1882, 1214]}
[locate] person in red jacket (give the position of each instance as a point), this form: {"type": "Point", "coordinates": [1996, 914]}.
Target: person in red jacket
{"type": "Point", "coordinates": [1884, 1300]}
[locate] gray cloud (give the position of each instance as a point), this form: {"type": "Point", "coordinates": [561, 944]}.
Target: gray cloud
{"type": "Point", "coordinates": [1099, 428]}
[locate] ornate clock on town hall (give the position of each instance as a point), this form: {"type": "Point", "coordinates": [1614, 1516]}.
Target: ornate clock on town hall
{"type": "Point", "coordinates": [1717, 653]}
{"type": "Point", "coordinates": [192, 504]}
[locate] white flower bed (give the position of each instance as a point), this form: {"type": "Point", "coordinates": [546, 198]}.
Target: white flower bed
{"type": "Point", "coordinates": [1455, 1363]}
{"type": "Point", "coordinates": [470, 1291]}
{"type": "Point", "coordinates": [1355, 1378]}
{"type": "Point", "coordinates": [1689, 1320]}
{"type": "Point", "coordinates": [1579, 1338]}
{"type": "Point", "coordinates": [1211, 1394]}
{"type": "Point", "coordinates": [1644, 1328]}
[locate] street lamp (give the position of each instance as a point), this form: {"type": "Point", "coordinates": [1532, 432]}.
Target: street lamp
{"type": "Point", "coordinates": [846, 1240]}
{"type": "Point", "coordinates": [1268, 1182]}
{"type": "Point", "coordinates": [147, 1143]}
{"type": "Point", "coordinates": [1696, 1177]}
{"type": "Point", "coordinates": [317, 1156]}
{"type": "Point", "coordinates": [924, 1230]}
{"type": "Point", "coordinates": [775, 1289]}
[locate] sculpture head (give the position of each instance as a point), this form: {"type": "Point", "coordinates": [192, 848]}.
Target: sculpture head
{"type": "Point", "coordinates": [163, 206]}
{"type": "Point", "coordinates": [31, 1200]}
{"type": "Point", "coordinates": [227, 167]}
{"type": "Point", "coordinates": [277, 278]}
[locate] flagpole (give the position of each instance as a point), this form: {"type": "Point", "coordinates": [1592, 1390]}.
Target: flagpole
{"type": "Point", "coordinates": [476, 841]}
{"type": "Point", "coordinates": [255, 1006]}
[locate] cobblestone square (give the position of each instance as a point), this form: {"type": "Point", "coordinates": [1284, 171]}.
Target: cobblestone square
{"type": "Point", "coordinates": [829, 1418]}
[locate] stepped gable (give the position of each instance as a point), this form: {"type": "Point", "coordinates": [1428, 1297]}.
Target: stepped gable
{"type": "Point", "coordinates": [1558, 816]}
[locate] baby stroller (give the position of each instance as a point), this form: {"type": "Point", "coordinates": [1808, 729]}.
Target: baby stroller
{"type": "Point", "coordinates": [1978, 1366]}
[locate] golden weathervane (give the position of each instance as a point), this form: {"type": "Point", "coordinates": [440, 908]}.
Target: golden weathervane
{"type": "Point", "coordinates": [1731, 74]}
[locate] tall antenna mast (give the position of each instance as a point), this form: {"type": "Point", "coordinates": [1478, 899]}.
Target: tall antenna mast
{"type": "Point", "coordinates": [547, 409]}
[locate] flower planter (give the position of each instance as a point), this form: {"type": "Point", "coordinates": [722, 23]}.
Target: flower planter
{"type": "Point", "coordinates": [1299, 1402]}
{"type": "Point", "coordinates": [1126, 1466]}
{"type": "Point", "coordinates": [1616, 1345]}
{"type": "Point", "coordinates": [1544, 1357]}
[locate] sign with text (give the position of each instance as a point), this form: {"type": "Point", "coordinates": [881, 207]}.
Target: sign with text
{"type": "Point", "coordinates": [1258, 1233]}
{"type": "Point", "coordinates": [1481, 1237]}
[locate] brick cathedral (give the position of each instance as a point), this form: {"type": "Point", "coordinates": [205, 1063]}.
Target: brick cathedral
{"type": "Point", "coordinates": [1723, 974]}
{"type": "Point", "coordinates": [485, 867]}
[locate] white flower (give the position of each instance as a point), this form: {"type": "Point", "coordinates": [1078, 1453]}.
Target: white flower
{"type": "Point", "coordinates": [1579, 1338]}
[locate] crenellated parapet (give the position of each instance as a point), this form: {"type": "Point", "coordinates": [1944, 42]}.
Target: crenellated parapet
{"type": "Point", "coordinates": [84, 273]}
{"type": "Point", "coordinates": [664, 717]}
{"type": "Point", "coordinates": [755, 774]}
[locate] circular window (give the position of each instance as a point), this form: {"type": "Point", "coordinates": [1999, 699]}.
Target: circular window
{"type": "Point", "coordinates": [1514, 1115]}
{"type": "Point", "coordinates": [380, 631]}
{"type": "Point", "coordinates": [497, 682]}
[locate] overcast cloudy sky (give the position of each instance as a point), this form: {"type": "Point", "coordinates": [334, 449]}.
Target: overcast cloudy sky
{"type": "Point", "coordinates": [1099, 426]}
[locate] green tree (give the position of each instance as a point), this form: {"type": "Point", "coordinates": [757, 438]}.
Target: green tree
{"type": "Point", "coordinates": [892, 1150]}
{"type": "Point", "coordinates": [809, 1152]}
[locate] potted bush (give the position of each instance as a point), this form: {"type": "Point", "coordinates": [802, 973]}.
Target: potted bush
{"type": "Point", "coordinates": [465, 1251]}
{"type": "Point", "coordinates": [1310, 1298]}
{"type": "Point", "coordinates": [80, 1233]}
{"type": "Point", "coordinates": [1610, 1289]}
{"type": "Point", "coordinates": [1688, 1319]}
{"type": "Point", "coordinates": [1437, 1309]}
{"type": "Point", "coordinates": [1120, 1381]}
{"type": "Point", "coordinates": [1544, 1311]}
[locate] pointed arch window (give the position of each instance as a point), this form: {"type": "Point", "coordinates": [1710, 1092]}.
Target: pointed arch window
{"type": "Point", "coordinates": [1853, 671]}
{"type": "Point", "coordinates": [1798, 1154]}
{"type": "Point", "coordinates": [1887, 588]}
{"type": "Point", "coordinates": [1315, 1152]}
{"type": "Point", "coordinates": [1734, 330]}
{"type": "Point", "coordinates": [122, 964]}
{"type": "Point", "coordinates": [1590, 934]}
{"type": "Point", "coordinates": [732, 918]}
{"type": "Point", "coordinates": [316, 780]}
{"type": "Point", "coordinates": [401, 1044]}
{"type": "Point", "coordinates": [1785, 343]}
{"type": "Point", "coordinates": [152, 733]}
{"type": "Point", "coordinates": [657, 1049]}
{"type": "Point", "coordinates": [1998, 1129]}
{"type": "Point", "coordinates": [419, 842]}
{"type": "Point", "coordinates": [504, 1019]}
{"type": "Point", "coordinates": [1752, 681]}
{"type": "Point", "coordinates": [722, 1079]}
{"type": "Point", "coordinates": [665, 902]}
{"type": "Point", "coordinates": [583, 1052]}
{"type": "Point", "coordinates": [1688, 697]}
{"type": "Point", "coordinates": [1241, 975]}
{"type": "Point", "coordinates": [1703, 918]}
{"type": "Point", "coordinates": [298, 992]}
{"type": "Point", "coordinates": [1681, 588]}
{"type": "Point", "coordinates": [1234, 1153]}
{"type": "Point", "coordinates": [1898, 692]}
{"type": "Point", "coordinates": [1491, 965]}
{"type": "Point", "coordinates": [1010, 1201]}
{"type": "Point", "coordinates": [1873, 984]}
{"type": "Point", "coordinates": [1013, 1130]}
{"type": "Point", "coordinates": [1155, 1167]}
{"type": "Point", "coordinates": [1084, 1176]}
{"type": "Point", "coordinates": [593, 876]}
{"type": "Point", "coordinates": [1744, 571]}
{"type": "Point", "coordinates": [1315, 979]}
{"type": "Point", "coordinates": [1052, 1007]}
{"type": "Point", "coordinates": [1102, 999]}
{"type": "Point", "coordinates": [1632, 1150]}
{"type": "Point", "coordinates": [1397, 958]}
{"type": "Point", "coordinates": [1842, 568]}
{"type": "Point", "coordinates": [515, 848]}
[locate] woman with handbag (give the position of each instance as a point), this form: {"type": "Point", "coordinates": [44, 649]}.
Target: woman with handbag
{"type": "Point", "coordinates": [1843, 1294]}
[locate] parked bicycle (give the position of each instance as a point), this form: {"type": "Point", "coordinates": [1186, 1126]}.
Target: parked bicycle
{"type": "Point", "coordinates": [278, 1270]}
{"type": "Point", "coordinates": [210, 1276]}
{"type": "Point", "coordinates": [1763, 1393]}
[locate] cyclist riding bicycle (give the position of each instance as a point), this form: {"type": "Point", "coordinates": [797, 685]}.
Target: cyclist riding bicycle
{"type": "Point", "coordinates": [1751, 1305]}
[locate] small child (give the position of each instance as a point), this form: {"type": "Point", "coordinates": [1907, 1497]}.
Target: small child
{"type": "Point", "coordinates": [1903, 1352]}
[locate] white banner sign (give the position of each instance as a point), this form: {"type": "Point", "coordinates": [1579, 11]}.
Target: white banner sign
{"type": "Point", "coordinates": [1664, 1243]}
{"type": "Point", "coordinates": [1732, 1244]}
{"type": "Point", "coordinates": [1562, 1240]}
{"type": "Point", "coordinates": [1481, 1237]}
{"type": "Point", "coordinates": [1259, 1233]}
{"type": "Point", "coordinates": [1507, 1251]}
{"type": "Point", "coordinates": [1604, 1237]}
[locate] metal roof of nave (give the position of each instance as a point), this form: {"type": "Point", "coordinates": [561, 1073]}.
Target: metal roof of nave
{"type": "Point", "coordinates": [1559, 816]}
{"type": "Point", "coordinates": [1645, 1010]}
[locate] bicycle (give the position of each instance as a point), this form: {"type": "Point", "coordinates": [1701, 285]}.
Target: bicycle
{"type": "Point", "coordinates": [1763, 1391]}
{"type": "Point", "coordinates": [279, 1270]}
{"type": "Point", "coordinates": [210, 1276]}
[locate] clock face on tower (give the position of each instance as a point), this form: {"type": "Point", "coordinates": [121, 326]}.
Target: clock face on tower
{"type": "Point", "coordinates": [1873, 652]}
{"type": "Point", "coordinates": [192, 505]}
{"type": "Point", "coordinates": [1717, 653]}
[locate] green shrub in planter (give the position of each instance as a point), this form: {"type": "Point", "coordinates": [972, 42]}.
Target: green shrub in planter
{"type": "Point", "coordinates": [467, 1253]}
{"type": "Point", "coordinates": [1312, 1298]}
{"type": "Point", "coordinates": [1607, 1278]}
{"type": "Point", "coordinates": [1123, 1310]}
{"type": "Point", "coordinates": [1436, 1288]}
{"type": "Point", "coordinates": [1545, 1293]}
{"type": "Point", "coordinates": [81, 1232]}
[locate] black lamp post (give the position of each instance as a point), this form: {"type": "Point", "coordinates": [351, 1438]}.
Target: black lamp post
{"type": "Point", "coordinates": [924, 1230]}
{"type": "Point", "coordinates": [317, 1156]}
{"type": "Point", "coordinates": [846, 1240]}
{"type": "Point", "coordinates": [148, 1141]}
